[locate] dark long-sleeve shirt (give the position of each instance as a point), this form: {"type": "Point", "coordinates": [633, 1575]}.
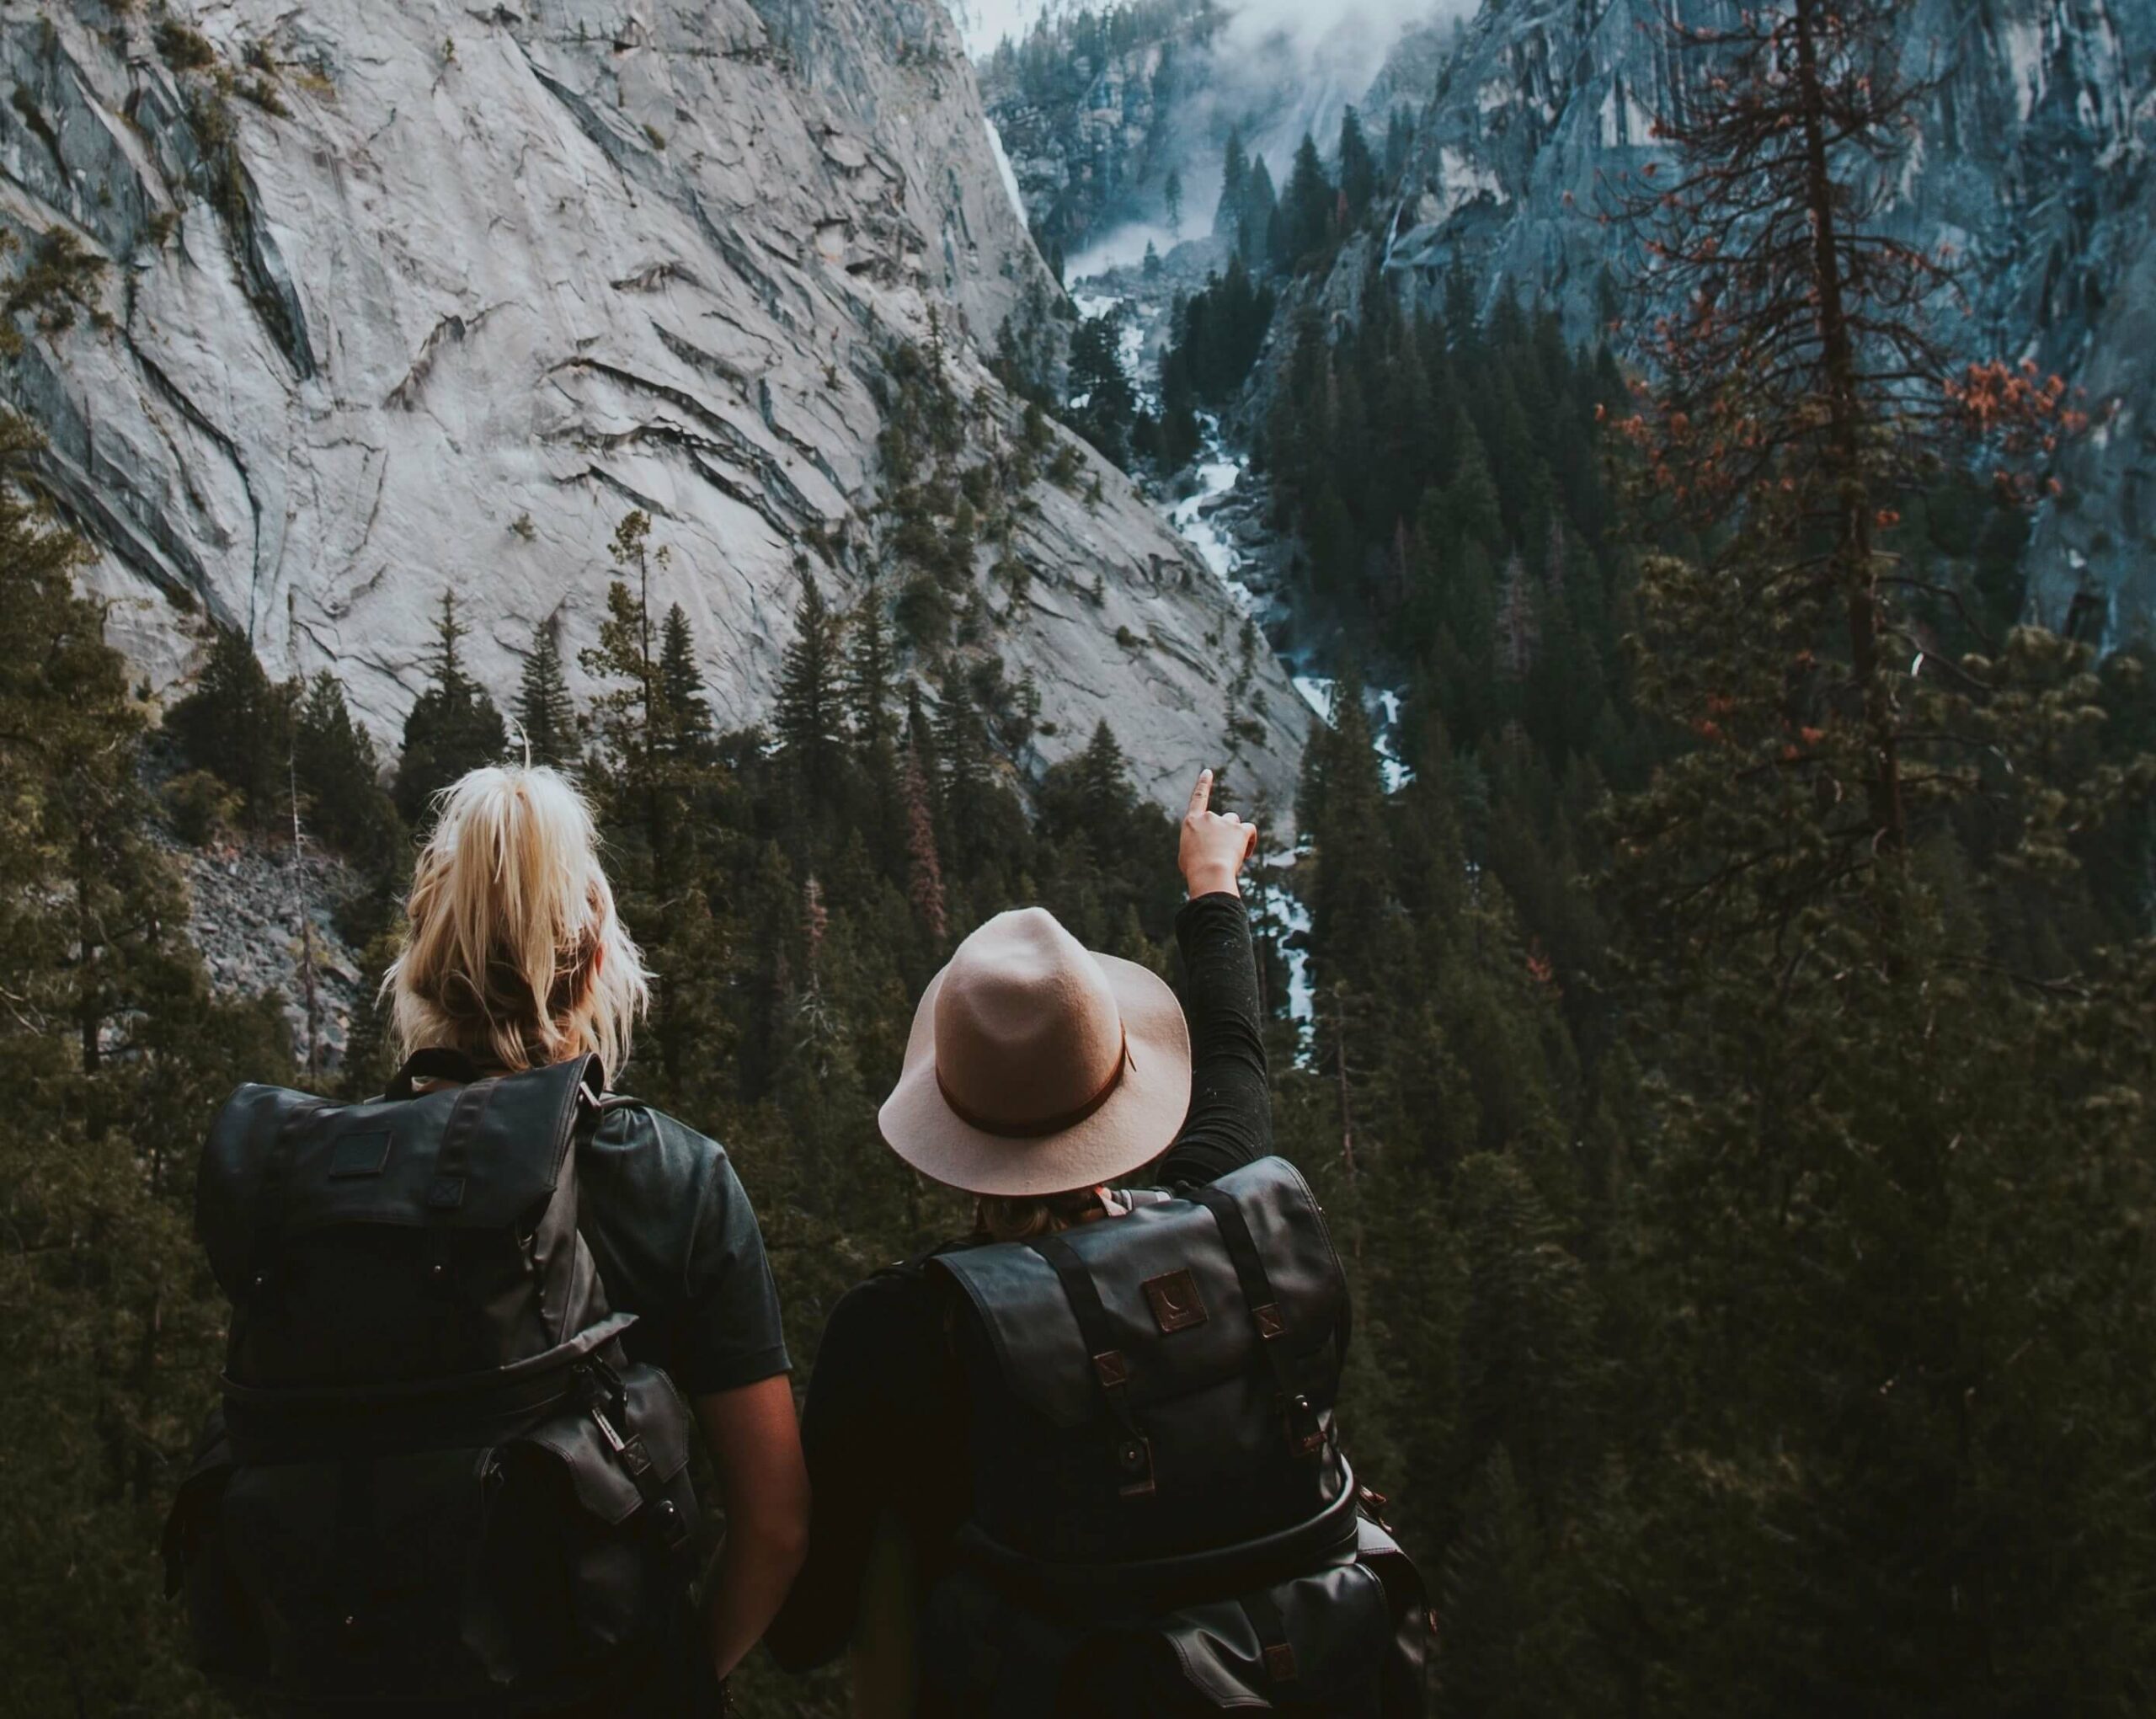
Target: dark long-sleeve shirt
{"type": "Point", "coordinates": [884, 1427]}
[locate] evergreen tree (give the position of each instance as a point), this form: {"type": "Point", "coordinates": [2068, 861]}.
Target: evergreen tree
{"type": "Point", "coordinates": [453, 727]}
{"type": "Point", "coordinates": [339, 775]}
{"type": "Point", "coordinates": [1305, 210]}
{"type": "Point", "coordinates": [237, 724]}
{"type": "Point", "coordinates": [1358, 168]}
{"type": "Point", "coordinates": [809, 717]}
{"type": "Point", "coordinates": [545, 713]}
{"type": "Point", "coordinates": [1257, 229]}
{"type": "Point", "coordinates": [924, 863]}
{"type": "Point", "coordinates": [1104, 403]}
{"type": "Point", "coordinates": [869, 672]}
{"type": "Point", "coordinates": [1228, 216]}
{"type": "Point", "coordinates": [686, 725]}
{"type": "Point", "coordinates": [1171, 195]}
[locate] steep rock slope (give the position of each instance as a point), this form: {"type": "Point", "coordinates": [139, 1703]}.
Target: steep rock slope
{"type": "Point", "coordinates": [415, 297]}
{"type": "Point", "coordinates": [2031, 162]}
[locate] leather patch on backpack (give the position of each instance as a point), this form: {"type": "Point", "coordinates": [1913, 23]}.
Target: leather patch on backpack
{"type": "Point", "coordinates": [359, 1154]}
{"type": "Point", "coordinates": [1174, 1298]}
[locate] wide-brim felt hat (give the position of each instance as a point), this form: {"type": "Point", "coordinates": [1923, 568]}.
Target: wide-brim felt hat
{"type": "Point", "coordinates": [1038, 1066]}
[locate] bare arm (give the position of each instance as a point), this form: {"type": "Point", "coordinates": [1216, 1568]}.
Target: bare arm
{"type": "Point", "coordinates": [755, 1445]}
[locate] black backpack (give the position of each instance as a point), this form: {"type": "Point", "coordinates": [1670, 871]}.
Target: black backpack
{"type": "Point", "coordinates": [435, 1482]}
{"type": "Point", "coordinates": [1162, 1515]}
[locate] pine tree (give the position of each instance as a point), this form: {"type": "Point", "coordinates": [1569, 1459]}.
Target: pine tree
{"type": "Point", "coordinates": [1257, 228]}
{"type": "Point", "coordinates": [1228, 216]}
{"type": "Point", "coordinates": [924, 864]}
{"type": "Point", "coordinates": [453, 727]}
{"type": "Point", "coordinates": [1358, 168]}
{"type": "Point", "coordinates": [545, 713]}
{"type": "Point", "coordinates": [686, 726]}
{"type": "Point", "coordinates": [339, 775]}
{"type": "Point", "coordinates": [1306, 209]}
{"type": "Point", "coordinates": [236, 724]}
{"type": "Point", "coordinates": [869, 672]}
{"type": "Point", "coordinates": [808, 717]}
{"type": "Point", "coordinates": [1171, 195]}
{"type": "Point", "coordinates": [1098, 379]}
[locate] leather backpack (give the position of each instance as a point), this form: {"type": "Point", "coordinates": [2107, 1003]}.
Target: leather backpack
{"type": "Point", "coordinates": [436, 1483]}
{"type": "Point", "coordinates": [1162, 1509]}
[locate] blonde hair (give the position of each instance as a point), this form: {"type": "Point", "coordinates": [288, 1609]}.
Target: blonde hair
{"type": "Point", "coordinates": [1023, 1217]}
{"type": "Point", "coordinates": [515, 954]}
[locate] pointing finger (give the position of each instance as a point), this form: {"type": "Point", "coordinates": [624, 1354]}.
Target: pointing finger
{"type": "Point", "coordinates": [1201, 797]}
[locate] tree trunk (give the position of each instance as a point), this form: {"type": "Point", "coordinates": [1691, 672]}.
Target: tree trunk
{"type": "Point", "coordinates": [1852, 550]}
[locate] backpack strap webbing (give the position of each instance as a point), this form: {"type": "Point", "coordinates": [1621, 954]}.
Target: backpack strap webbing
{"type": "Point", "coordinates": [1305, 1431]}
{"type": "Point", "coordinates": [270, 1197]}
{"type": "Point", "coordinates": [445, 1193]}
{"type": "Point", "coordinates": [1133, 1452]}
{"type": "Point", "coordinates": [1275, 1652]}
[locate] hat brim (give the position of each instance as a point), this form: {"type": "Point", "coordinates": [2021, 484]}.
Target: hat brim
{"type": "Point", "coordinates": [1139, 1121]}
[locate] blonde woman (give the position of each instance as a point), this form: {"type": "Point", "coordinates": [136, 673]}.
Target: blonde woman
{"type": "Point", "coordinates": [477, 1325]}
{"type": "Point", "coordinates": [516, 957]}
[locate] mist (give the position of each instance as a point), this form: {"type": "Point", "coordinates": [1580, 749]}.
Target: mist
{"type": "Point", "coordinates": [1277, 69]}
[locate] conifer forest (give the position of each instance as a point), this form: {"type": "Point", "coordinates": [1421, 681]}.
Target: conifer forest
{"type": "Point", "coordinates": [1709, 949]}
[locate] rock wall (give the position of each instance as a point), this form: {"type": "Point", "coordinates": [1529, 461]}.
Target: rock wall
{"type": "Point", "coordinates": [415, 297]}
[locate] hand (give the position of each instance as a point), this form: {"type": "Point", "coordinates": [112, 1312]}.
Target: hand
{"type": "Point", "coordinates": [1215, 844]}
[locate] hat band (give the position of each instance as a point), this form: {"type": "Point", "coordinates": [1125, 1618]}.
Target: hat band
{"type": "Point", "coordinates": [1047, 1126]}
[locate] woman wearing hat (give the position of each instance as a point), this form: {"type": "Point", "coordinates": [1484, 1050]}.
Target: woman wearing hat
{"type": "Point", "coordinates": [1039, 1075]}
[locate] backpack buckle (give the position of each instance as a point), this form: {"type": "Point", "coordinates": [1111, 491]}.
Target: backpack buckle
{"type": "Point", "coordinates": [1305, 1431]}
{"type": "Point", "coordinates": [1134, 1457]}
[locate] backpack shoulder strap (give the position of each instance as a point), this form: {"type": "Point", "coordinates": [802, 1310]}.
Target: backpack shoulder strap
{"type": "Point", "coordinates": [1268, 1318]}
{"type": "Point", "coordinates": [1133, 1451]}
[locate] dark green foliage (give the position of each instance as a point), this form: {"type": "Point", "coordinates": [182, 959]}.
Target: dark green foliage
{"type": "Point", "coordinates": [546, 718]}
{"type": "Point", "coordinates": [1306, 227]}
{"type": "Point", "coordinates": [1104, 404]}
{"type": "Point", "coordinates": [1257, 221]}
{"type": "Point", "coordinates": [453, 727]}
{"type": "Point", "coordinates": [1214, 339]}
{"type": "Point", "coordinates": [1357, 167]}
{"type": "Point", "coordinates": [112, 1052]}
{"type": "Point", "coordinates": [339, 775]}
{"type": "Point", "coordinates": [809, 716]}
{"type": "Point", "coordinates": [237, 724]}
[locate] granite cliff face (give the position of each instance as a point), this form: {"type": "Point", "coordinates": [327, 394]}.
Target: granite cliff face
{"type": "Point", "coordinates": [2032, 161]}
{"type": "Point", "coordinates": [403, 298]}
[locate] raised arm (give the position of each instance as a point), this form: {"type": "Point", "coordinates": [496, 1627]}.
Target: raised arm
{"type": "Point", "coordinates": [1230, 1121]}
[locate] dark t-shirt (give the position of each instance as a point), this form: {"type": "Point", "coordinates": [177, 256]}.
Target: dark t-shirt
{"type": "Point", "coordinates": [884, 1427]}
{"type": "Point", "coordinates": [675, 1241]}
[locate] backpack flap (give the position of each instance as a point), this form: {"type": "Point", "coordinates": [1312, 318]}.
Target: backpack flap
{"type": "Point", "coordinates": [399, 1239]}
{"type": "Point", "coordinates": [293, 1162]}
{"type": "Point", "coordinates": [1174, 1304]}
